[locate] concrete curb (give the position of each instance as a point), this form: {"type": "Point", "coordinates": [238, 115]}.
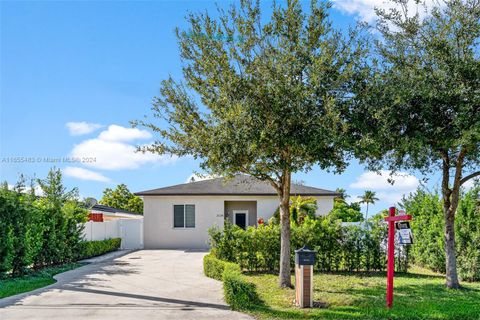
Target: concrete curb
{"type": "Point", "coordinates": [66, 276]}
{"type": "Point", "coordinates": [107, 256]}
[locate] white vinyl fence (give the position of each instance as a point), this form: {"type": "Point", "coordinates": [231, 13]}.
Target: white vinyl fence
{"type": "Point", "coordinates": [130, 230]}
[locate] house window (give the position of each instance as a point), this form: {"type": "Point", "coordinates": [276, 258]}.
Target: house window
{"type": "Point", "coordinates": [184, 216]}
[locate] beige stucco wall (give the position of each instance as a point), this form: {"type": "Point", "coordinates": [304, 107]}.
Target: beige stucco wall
{"type": "Point", "coordinates": [324, 204]}
{"type": "Point", "coordinates": [209, 211]}
{"type": "Point", "coordinates": [266, 206]}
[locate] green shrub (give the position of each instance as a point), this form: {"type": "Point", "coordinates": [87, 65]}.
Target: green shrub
{"type": "Point", "coordinates": [16, 214]}
{"type": "Point", "coordinates": [428, 232]}
{"type": "Point", "coordinates": [7, 204]}
{"type": "Point", "coordinates": [427, 228]}
{"type": "Point", "coordinates": [59, 223]}
{"type": "Point", "coordinates": [223, 241]}
{"type": "Point", "coordinates": [468, 235]}
{"type": "Point", "coordinates": [328, 239]}
{"type": "Point", "coordinates": [346, 248]}
{"type": "Point", "coordinates": [345, 212]}
{"type": "Point", "coordinates": [213, 267]}
{"type": "Point", "coordinates": [300, 209]}
{"type": "Point", "coordinates": [90, 249]}
{"type": "Point", "coordinates": [39, 231]}
{"type": "Point", "coordinates": [354, 248]}
{"type": "Point", "coordinates": [239, 293]}
{"type": "Point", "coordinates": [247, 258]}
{"type": "Point", "coordinates": [267, 244]}
{"type": "Point", "coordinates": [362, 247]}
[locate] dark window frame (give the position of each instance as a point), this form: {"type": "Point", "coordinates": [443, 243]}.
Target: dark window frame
{"type": "Point", "coordinates": [184, 213]}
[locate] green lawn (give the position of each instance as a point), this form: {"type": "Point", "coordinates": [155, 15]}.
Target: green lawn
{"type": "Point", "coordinates": [10, 287]}
{"type": "Point", "coordinates": [418, 295]}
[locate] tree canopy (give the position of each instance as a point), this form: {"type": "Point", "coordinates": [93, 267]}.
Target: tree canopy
{"type": "Point", "coordinates": [122, 198]}
{"type": "Point", "coordinates": [346, 212]}
{"type": "Point", "coordinates": [259, 96]}
{"type": "Point", "coordinates": [419, 107]}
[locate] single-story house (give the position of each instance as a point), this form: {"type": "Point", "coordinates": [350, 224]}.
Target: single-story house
{"type": "Point", "coordinates": [100, 213]}
{"type": "Point", "coordinates": [179, 216]}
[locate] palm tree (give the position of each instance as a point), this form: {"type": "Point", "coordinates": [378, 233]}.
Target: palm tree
{"type": "Point", "coordinates": [368, 197]}
{"type": "Point", "coordinates": [301, 208]}
{"type": "Point", "coordinates": [342, 194]}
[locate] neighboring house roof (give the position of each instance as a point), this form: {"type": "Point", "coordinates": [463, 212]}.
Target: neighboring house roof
{"type": "Point", "coordinates": [103, 208]}
{"type": "Point", "coordinates": [238, 185]}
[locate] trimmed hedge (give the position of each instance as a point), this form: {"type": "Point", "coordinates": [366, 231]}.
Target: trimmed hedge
{"type": "Point", "coordinates": [340, 248]}
{"type": "Point", "coordinates": [213, 267]}
{"type": "Point", "coordinates": [38, 232]}
{"type": "Point", "coordinates": [428, 231]}
{"type": "Point", "coordinates": [239, 293]}
{"type": "Point", "coordinates": [89, 249]}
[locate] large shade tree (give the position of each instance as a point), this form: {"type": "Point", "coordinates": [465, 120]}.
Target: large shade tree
{"type": "Point", "coordinates": [420, 106]}
{"type": "Point", "coordinates": [259, 96]}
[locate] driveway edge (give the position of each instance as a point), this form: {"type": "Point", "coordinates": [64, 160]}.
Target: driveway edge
{"type": "Point", "coordinates": [65, 276]}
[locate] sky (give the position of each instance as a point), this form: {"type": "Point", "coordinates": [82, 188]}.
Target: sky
{"type": "Point", "coordinates": [73, 74]}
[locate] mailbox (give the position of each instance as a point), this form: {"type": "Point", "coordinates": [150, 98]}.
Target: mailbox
{"type": "Point", "coordinates": [304, 261]}
{"type": "Point", "coordinates": [305, 257]}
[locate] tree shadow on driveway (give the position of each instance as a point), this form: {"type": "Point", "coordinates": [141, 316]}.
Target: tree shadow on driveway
{"type": "Point", "coordinates": [184, 303]}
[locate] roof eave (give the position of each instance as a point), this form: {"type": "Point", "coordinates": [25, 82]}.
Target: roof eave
{"type": "Point", "coordinates": [142, 194]}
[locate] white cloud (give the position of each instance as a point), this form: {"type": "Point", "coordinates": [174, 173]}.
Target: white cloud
{"type": "Point", "coordinates": [37, 189]}
{"type": "Point", "coordinates": [110, 150]}
{"type": "Point", "coordinates": [80, 128]}
{"type": "Point", "coordinates": [364, 9]}
{"type": "Point", "coordinates": [404, 183]}
{"type": "Point", "coordinates": [470, 184]}
{"type": "Point", "coordinates": [119, 133]}
{"type": "Point", "coordinates": [199, 177]}
{"type": "Point", "coordinates": [84, 174]}
{"type": "Point", "coordinates": [391, 197]}
{"type": "Point", "coordinates": [379, 181]}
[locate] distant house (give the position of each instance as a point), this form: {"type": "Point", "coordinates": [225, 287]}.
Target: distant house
{"type": "Point", "coordinates": [106, 222]}
{"type": "Point", "coordinates": [179, 216]}
{"type": "Point", "coordinates": [100, 213]}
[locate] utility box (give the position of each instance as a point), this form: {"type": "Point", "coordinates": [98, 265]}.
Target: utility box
{"type": "Point", "coordinates": [304, 261]}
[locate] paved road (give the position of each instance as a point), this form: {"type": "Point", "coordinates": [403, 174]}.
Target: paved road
{"type": "Point", "coordinates": [148, 284]}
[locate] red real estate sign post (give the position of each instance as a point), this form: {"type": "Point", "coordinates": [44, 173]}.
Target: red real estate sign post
{"type": "Point", "coordinates": [392, 218]}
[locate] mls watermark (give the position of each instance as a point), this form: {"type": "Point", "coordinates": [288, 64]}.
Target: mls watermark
{"type": "Point", "coordinates": [22, 159]}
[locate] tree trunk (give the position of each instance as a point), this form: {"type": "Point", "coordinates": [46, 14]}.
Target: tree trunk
{"type": "Point", "coordinates": [450, 253]}
{"type": "Point", "coordinates": [285, 272]}
{"type": "Point", "coordinates": [450, 203]}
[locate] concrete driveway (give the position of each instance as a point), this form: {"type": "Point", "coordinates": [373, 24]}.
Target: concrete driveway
{"type": "Point", "coordinates": [147, 284]}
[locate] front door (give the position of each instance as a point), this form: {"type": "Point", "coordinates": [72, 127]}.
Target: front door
{"type": "Point", "coordinates": [241, 218]}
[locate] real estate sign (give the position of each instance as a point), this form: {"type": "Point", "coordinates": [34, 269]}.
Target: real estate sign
{"type": "Point", "coordinates": [394, 223]}
{"type": "Point", "coordinates": [404, 232]}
